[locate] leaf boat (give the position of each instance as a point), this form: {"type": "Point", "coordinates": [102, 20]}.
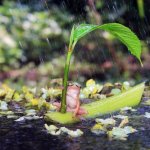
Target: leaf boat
{"type": "Point", "coordinates": [129, 98]}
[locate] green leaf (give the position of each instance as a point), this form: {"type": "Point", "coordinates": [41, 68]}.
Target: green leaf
{"type": "Point", "coordinates": [124, 34]}
{"type": "Point", "coordinates": [71, 37]}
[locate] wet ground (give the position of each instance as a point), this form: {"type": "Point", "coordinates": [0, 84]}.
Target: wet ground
{"type": "Point", "coordinates": [31, 135]}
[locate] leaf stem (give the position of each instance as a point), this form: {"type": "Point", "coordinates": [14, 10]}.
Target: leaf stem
{"type": "Point", "coordinates": [140, 4]}
{"type": "Point", "coordinates": [65, 81]}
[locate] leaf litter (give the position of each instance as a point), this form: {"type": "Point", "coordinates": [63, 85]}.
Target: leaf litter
{"type": "Point", "coordinates": [36, 102]}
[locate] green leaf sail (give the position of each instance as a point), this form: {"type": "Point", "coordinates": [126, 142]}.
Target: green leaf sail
{"type": "Point", "coordinates": [124, 34]}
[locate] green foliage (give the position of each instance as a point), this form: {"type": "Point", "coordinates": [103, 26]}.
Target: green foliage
{"type": "Point", "coordinates": [9, 51]}
{"type": "Point", "coordinates": [124, 34]}
{"type": "Point", "coordinates": [26, 35]}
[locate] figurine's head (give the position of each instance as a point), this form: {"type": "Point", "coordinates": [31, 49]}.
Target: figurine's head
{"type": "Point", "coordinates": [74, 87]}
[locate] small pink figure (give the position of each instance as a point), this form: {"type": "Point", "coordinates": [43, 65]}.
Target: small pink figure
{"type": "Point", "coordinates": [73, 101]}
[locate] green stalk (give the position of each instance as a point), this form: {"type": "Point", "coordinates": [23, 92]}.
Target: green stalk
{"type": "Point", "coordinates": [65, 82]}
{"type": "Point", "coordinates": [66, 73]}
{"type": "Point", "coordinates": [140, 4]}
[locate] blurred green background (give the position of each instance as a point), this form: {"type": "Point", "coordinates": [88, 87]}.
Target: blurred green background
{"type": "Point", "coordinates": [34, 36]}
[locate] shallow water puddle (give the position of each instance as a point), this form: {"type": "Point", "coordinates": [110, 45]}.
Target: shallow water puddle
{"type": "Point", "coordinates": [29, 134]}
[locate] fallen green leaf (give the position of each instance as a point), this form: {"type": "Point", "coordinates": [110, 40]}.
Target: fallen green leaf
{"type": "Point", "coordinates": [128, 98]}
